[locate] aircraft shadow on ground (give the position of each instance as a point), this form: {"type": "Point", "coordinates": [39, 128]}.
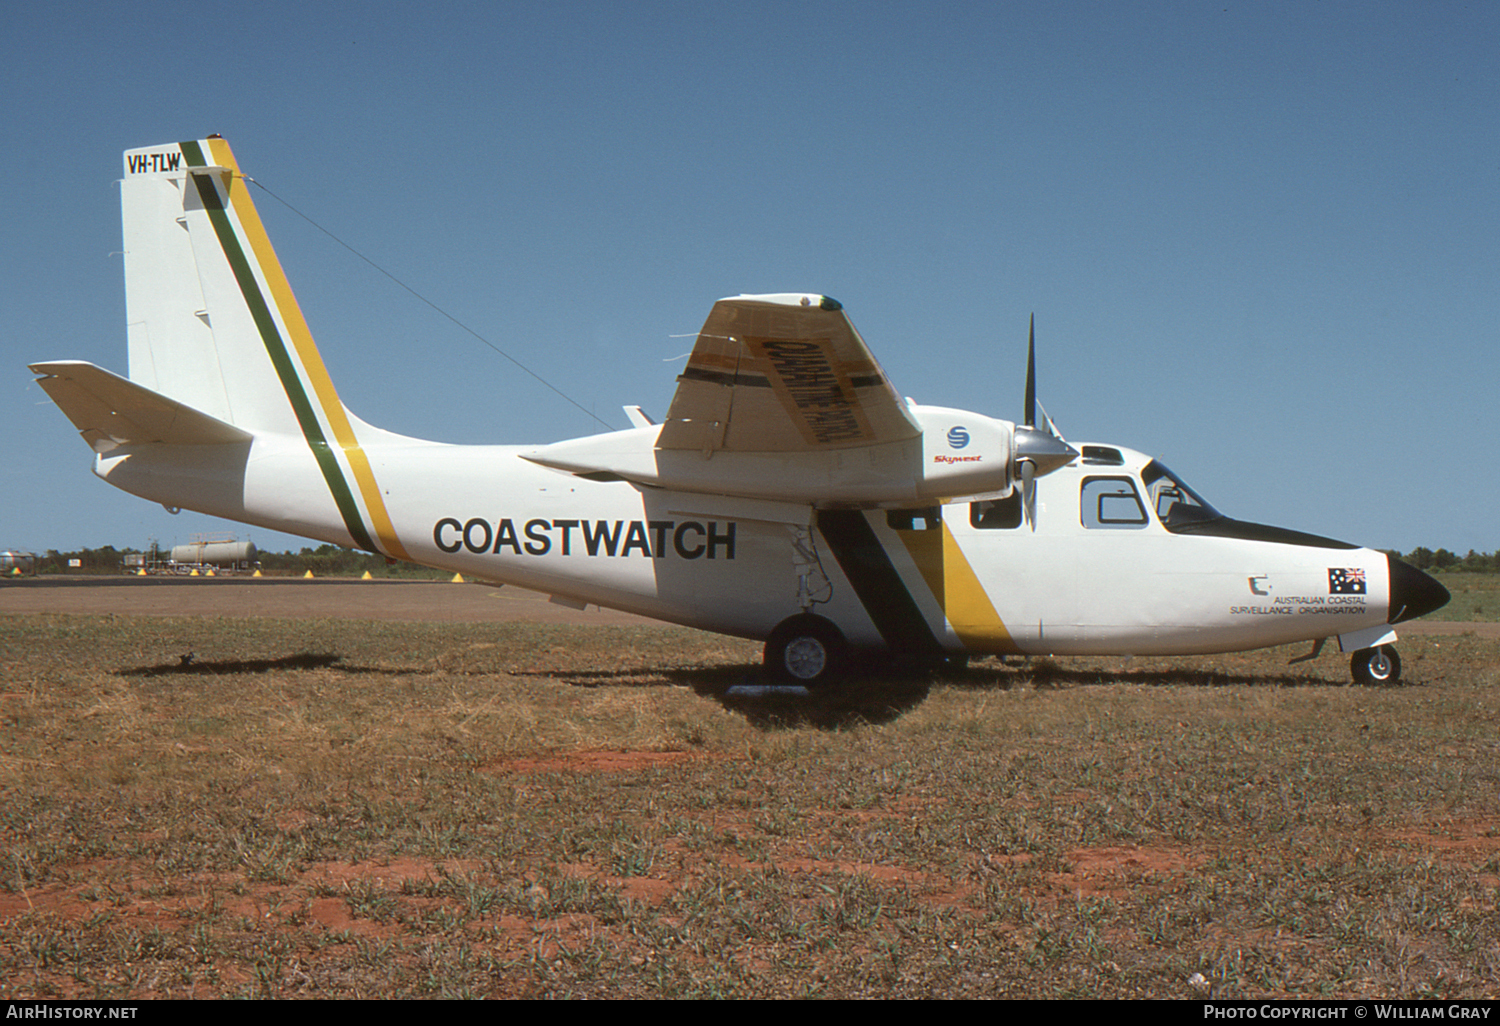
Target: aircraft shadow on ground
{"type": "Point", "coordinates": [1044, 675]}
{"type": "Point", "coordinates": [780, 708]}
{"type": "Point", "coordinates": [188, 666]}
{"type": "Point", "coordinates": [744, 689]}
{"type": "Point", "coordinates": [881, 695]}
{"type": "Point", "coordinates": [871, 695]}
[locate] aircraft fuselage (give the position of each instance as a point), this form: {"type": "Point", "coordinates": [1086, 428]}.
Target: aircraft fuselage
{"type": "Point", "coordinates": [935, 579]}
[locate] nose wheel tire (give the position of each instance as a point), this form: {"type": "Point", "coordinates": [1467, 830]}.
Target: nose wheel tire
{"type": "Point", "coordinates": [806, 650]}
{"type": "Point", "coordinates": [1376, 666]}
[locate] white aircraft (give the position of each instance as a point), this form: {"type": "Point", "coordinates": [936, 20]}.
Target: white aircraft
{"type": "Point", "coordinates": [790, 494]}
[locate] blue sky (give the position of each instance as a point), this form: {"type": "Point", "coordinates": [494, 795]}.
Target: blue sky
{"type": "Point", "coordinates": [1260, 239]}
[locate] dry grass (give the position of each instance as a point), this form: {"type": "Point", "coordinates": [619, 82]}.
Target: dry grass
{"type": "Point", "coordinates": [1475, 596]}
{"type": "Point", "coordinates": [341, 809]}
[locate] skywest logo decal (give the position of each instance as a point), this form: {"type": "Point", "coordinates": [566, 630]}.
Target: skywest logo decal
{"type": "Point", "coordinates": [958, 438]}
{"type": "Point", "coordinates": [652, 539]}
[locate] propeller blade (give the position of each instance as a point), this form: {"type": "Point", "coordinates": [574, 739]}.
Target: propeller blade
{"type": "Point", "coordinates": [1038, 450]}
{"type": "Point", "coordinates": [1031, 375]}
{"type": "Point", "coordinates": [1028, 492]}
{"type": "Point", "coordinates": [1047, 424]}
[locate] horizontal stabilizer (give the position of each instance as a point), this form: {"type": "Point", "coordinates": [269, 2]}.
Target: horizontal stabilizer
{"type": "Point", "coordinates": [110, 411]}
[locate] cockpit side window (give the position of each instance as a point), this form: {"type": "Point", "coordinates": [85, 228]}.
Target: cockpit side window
{"type": "Point", "coordinates": [993, 514]}
{"type": "Point", "coordinates": [1177, 506]}
{"type": "Point", "coordinates": [1112, 503]}
{"type": "Point", "coordinates": [927, 518]}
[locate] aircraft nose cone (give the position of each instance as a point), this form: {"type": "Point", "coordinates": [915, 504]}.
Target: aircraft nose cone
{"type": "Point", "coordinates": [1046, 451]}
{"type": "Point", "coordinates": [1413, 593]}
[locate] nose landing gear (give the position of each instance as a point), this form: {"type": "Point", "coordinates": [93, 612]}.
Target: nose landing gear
{"type": "Point", "coordinates": [1375, 666]}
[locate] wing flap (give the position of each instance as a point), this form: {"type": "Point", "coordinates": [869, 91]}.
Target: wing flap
{"type": "Point", "coordinates": [782, 373]}
{"type": "Point", "coordinates": [110, 411]}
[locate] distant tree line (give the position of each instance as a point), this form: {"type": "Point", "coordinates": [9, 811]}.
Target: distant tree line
{"type": "Point", "coordinates": [107, 560]}
{"type": "Point", "coordinates": [333, 561]}
{"type": "Point", "coordinates": [1442, 559]}
{"type": "Point", "coordinates": [323, 561]}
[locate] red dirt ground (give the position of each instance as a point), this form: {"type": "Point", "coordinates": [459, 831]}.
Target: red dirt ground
{"type": "Point", "coordinates": [137, 901]}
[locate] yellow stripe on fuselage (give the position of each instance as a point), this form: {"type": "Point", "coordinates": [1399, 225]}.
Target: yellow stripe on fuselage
{"type": "Point", "coordinates": [307, 352]}
{"type": "Point", "coordinates": [956, 587]}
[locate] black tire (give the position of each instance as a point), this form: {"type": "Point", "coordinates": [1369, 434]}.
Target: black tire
{"type": "Point", "coordinates": [807, 650]}
{"type": "Point", "coordinates": [1374, 667]}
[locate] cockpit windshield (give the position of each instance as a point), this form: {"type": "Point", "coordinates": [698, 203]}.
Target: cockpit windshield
{"type": "Point", "coordinates": [1177, 506]}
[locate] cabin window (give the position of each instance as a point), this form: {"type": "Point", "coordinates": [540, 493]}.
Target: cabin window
{"type": "Point", "coordinates": [997, 514]}
{"type": "Point", "coordinates": [1112, 503]}
{"type": "Point", "coordinates": [1103, 455]}
{"type": "Point", "coordinates": [927, 518]}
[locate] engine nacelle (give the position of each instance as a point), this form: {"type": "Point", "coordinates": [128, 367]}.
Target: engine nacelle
{"type": "Point", "coordinates": [965, 454]}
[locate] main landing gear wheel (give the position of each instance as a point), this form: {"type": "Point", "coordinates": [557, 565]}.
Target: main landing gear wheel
{"type": "Point", "coordinates": [807, 650]}
{"type": "Point", "coordinates": [1372, 666]}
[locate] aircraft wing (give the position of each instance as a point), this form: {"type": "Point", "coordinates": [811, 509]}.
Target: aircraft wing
{"type": "Point", "coordinates": [109, 410]}
{"type": "Point", "coordinates": [782, 373]}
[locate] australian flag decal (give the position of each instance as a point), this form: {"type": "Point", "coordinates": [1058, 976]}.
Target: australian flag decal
{"type": "Point", "coordinates": [1346, 581]}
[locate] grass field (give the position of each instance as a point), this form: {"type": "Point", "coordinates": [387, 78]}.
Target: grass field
{"type": "Point", "coordinates": [1475, 596]}
{"type": "Point", "coordinates": [360, 809]}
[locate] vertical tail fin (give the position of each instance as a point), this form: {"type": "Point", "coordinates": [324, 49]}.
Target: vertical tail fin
{"type": "Point", "coordinates": [212, 320]}
{"type": "Point", "coordinates": [213, 323]}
